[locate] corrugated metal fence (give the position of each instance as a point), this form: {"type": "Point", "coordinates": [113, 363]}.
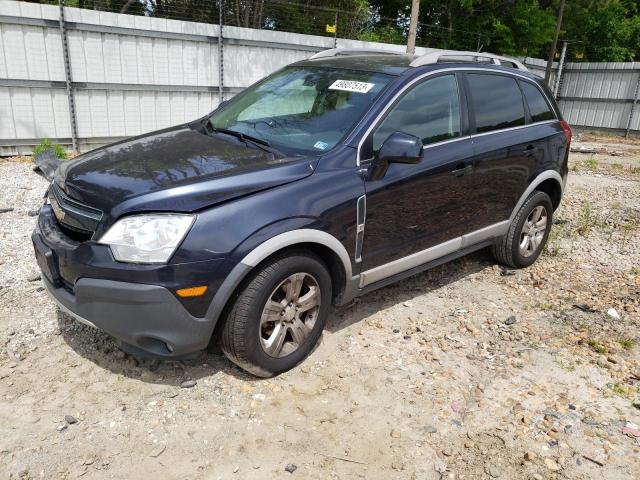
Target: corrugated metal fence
{"type": "Point", "coordinates": [597, 95]}
{"type": "Point", "coordinates": [129, 74]}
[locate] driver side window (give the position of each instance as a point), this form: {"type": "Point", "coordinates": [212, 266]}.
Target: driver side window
{"type": "Point", "coordinates": [430, 111]}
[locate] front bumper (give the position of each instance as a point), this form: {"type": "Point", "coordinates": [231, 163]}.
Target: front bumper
{"type": "Point", "coordinates": [133, 303]}
{"type": "Point", "coordinates": [143, 318]}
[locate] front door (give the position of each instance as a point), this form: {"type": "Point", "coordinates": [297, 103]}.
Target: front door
{"type": "Point", "coordinates": [415, 207]}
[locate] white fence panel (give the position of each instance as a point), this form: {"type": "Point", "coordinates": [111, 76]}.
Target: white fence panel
{"type": "Point", "coordinates": [134, 74]}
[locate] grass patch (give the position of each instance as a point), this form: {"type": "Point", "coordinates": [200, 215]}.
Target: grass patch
{"type": "Point", "coordinates": [552, 247]}
{"type": "Point", "coordinates": [586, 220]}
{"type": "Point", "coordinates": [635, 270]}
{"type": "Point", "coordinates": [623, 391]}
{"type": "Point", "coordinates": [47, 144]}
{"type": "Point", "coordinates": [592, 163]}
{"type": "Point", "coordinates": [596, 346]}
{"type": "Point", "coordinates": [617, 166]}
{"type": "Point", "coordinates": [627, 343]}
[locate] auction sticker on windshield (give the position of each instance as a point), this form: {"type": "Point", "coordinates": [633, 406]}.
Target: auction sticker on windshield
{"type": "Point", "coordinates": [352, 86]}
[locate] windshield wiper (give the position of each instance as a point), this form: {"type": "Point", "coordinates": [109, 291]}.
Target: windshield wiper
{"type": "Point", "coordinates": [261, 143]}
{"type": "Point", "coordinates": [242, 136]}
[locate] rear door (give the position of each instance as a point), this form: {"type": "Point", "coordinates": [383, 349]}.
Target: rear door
{"type": "Point", "coordinates": [415, 207]}
{"type": "Point", "coordinates": [503, 145]}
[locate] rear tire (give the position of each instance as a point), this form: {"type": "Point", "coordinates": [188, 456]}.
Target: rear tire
{"type": "Point", "coordinates": [527, 234]}
{"type": "Point", "coordinates": [278, 315]}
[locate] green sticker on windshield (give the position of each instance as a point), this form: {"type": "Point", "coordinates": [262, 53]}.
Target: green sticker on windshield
{"type": "Point", "coordinates": [352, 86]}
{"type": "Point", "coordinates": [320, 145]}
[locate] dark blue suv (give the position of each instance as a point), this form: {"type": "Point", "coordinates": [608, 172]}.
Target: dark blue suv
{"type": "Point", "coordinates": [330, 178]}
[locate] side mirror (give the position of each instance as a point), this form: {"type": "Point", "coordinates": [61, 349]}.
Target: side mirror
{"type": "Point", "coordinates": [397, 148]}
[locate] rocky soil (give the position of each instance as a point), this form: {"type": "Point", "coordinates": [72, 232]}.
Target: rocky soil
{"type": "Point", "coordinates": [468, 371]}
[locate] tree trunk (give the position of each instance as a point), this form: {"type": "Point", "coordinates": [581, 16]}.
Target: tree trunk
{"type": "Point", "coordinates": [126, 6]}
{"type": "Point", "coordinates": [257, 14]}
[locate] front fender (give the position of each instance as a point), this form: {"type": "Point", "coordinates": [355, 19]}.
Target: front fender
{"type": "Point", "coordinates": [255, 250]}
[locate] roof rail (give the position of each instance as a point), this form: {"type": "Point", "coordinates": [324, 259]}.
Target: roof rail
{"type": "Point", "coordinates": [335, 52]}
{"type": "Point", "coordinates": [459, 56]}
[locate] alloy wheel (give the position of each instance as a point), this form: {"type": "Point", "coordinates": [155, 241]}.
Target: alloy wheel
{"type": "Point", "coordinates": [290, 314]}
{"type": "Point", "coordinates": [533, 231]}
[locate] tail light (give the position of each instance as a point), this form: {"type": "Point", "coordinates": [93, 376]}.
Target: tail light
{"type": "Point", "coordinates": [566, 130]}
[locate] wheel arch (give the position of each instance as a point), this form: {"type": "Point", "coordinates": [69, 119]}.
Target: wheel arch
{"type": "Point", "coordinates": [323, 244]}
{"type": "Point", "coordinates": [549, 182]}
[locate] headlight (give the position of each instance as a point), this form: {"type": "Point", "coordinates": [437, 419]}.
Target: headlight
{"type": "Point", "coordinates": [147, 238]}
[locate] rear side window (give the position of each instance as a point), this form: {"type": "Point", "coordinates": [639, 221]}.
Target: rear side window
{"type": "Point", "coordinates": [538, 106]}
{"type": "Point", "coordinates": [430, 111]}
{"type": "Point", "coordinates": [497, 102]}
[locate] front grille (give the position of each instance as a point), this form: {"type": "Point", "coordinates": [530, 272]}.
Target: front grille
{"type": "Point", "coordinates": [76, 219]}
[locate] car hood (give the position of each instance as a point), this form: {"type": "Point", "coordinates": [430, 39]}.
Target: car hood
{"type": "Point", "coordinates": [177, 169]}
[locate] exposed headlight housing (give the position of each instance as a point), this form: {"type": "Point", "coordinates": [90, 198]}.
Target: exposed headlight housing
{"type": "Point", "coordinates": [147, 238]}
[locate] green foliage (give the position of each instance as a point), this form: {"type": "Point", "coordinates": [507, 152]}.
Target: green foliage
{"type": "Point", "coordinates": [385, 34]}
{"type": "Point", "coordinates": [599, 30]}
{"type": "Point", "coordinates": [586, 220]}
{"type": "Point", "coordinates": [602, 30]}
{"type": "Point", "coordinates": [624, 391]}
{"type": "Point", "coordinates": [597, 346]}
{"type": "Point", "coordinates": [592, 163]}
{"type": "Point", "coordinates": [627, 343]}
{"type": "Point", "coordinates": [611, 32]}
{"type": "Point", "coordinates": [47, 144]}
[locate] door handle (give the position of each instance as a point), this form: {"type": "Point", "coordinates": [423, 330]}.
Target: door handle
{"type": "Point", "coordinates": [461, 170]}
{"type": "Point", "coordinates": [530, 150]}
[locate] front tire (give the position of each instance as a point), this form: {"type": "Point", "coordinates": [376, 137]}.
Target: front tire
{"type": "Point", "coordinates": [527, 234]}
{"type": "Point", "coordinates": [278, 315]}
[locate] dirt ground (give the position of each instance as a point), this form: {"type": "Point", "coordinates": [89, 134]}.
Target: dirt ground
{"type": "Point", "coordinates": [467, 371]}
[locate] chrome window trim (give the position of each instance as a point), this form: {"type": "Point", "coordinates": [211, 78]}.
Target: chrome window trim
{"type": "Point", "coordinates": [482, 134]}
{"type": "Point", "coordinates": [376, 121]}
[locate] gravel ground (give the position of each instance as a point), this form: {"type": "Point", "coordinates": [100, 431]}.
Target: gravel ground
{"type": "Point", "coordinates": [466, 371]}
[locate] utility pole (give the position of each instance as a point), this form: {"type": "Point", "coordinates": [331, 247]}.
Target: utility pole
{"type": "Point", "coordinates": [413, 26]}
{"type": "Point", "coordinates": [554, 45]}
{"type": "Point", "coordinates": [68, 78]}
{"type": "Point", "coordinates": [556, 89]}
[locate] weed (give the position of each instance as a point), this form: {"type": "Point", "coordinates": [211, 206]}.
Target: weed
{"type": "Point", "coordinates": [616, 206]}
{"type": "Point", "coordinates": [552, 247]}
{"type": "Point", "coordinates": [565, 364]}
{"type": "Point", "coordinates": [635, 270]}
{"type": "Point", "coordinates": [592, 163]}
{"type": "Point", "coordinates": [597, 346]}
{"type": "Point", "coordinates": [586, 220]}
{"type": "Point", "coordinates": [627, 343]}
{"type": "Point", "coordinates": [617, 166]}
{"type": "Point", "coordinates": [47, 144]}
{"type": "Point", "coordinates": [622, 390]}
{"type": "Point", "coordinates": [627, 229]}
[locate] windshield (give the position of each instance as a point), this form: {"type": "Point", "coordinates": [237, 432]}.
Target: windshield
{"type": "Point", "coordinates": [302, 110]}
